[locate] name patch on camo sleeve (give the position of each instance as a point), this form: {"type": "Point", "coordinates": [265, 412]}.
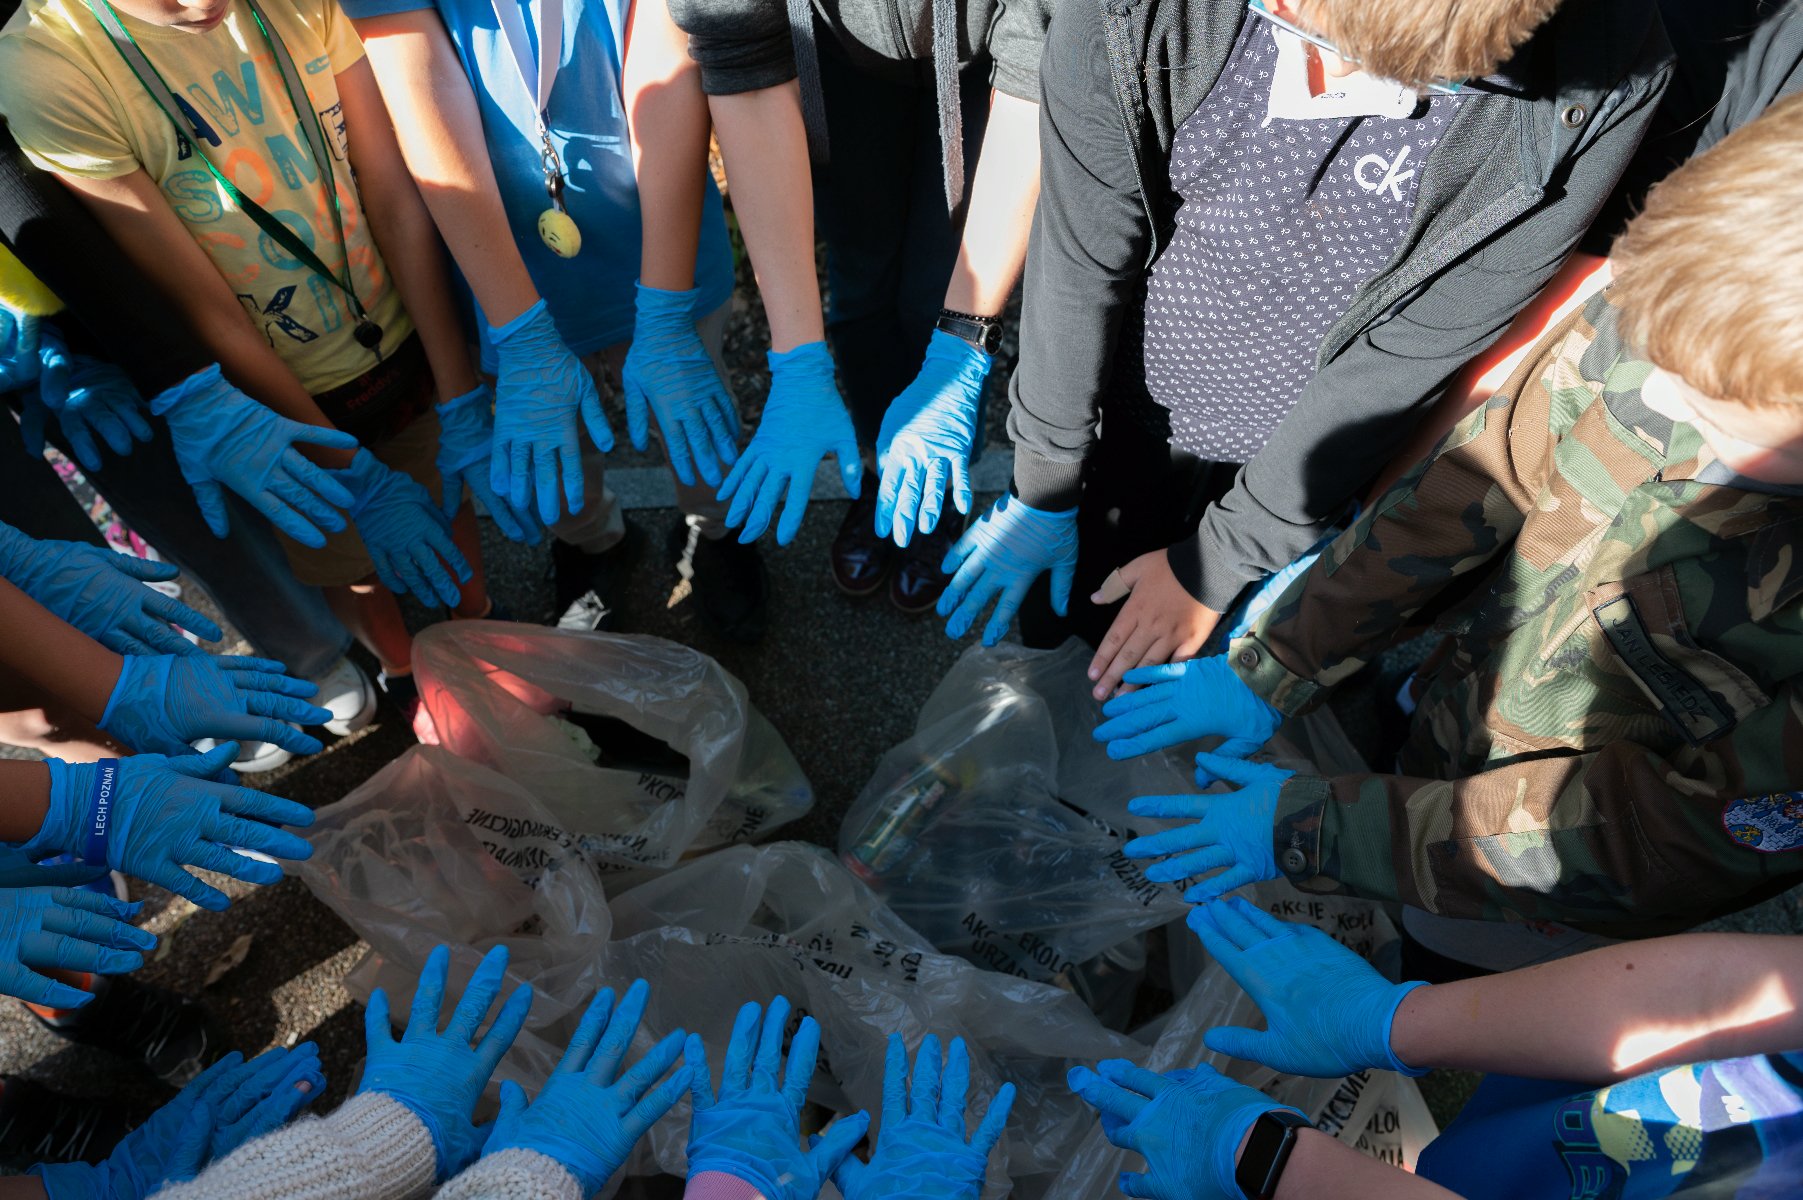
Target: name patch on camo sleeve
{"type": "Point", "coordinates": [1697, 712]}
{"type": "Point", "coordinates": [1768, 824]}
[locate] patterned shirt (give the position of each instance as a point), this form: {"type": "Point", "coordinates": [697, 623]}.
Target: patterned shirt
{"type": "Point", "coordinates": [1285, 214]}
{"type": "Point", "coordinates": [1611, 731]}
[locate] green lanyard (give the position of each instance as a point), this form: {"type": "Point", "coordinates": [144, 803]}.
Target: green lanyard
{"type": "Point", "coordinates": [367, 332]}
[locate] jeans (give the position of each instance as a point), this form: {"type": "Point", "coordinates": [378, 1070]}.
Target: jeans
{"type": "Point", "coordinates": [245, 573]}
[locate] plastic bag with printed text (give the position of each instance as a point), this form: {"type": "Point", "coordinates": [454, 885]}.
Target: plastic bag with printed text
{"type": "Point", "coordinates": [741, 924]}
{"type": "Point", "coordinates": [996, 830]}
{"type": "Point", "coordinates": [1379, 1113]}
{"type": "Point", "coordinates": [641, 750]}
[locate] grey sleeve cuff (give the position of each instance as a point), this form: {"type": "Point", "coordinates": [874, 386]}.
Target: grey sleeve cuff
{"type": "Point", "coordinates": [1206, 573]}
{"type": "Point", "coordinates": [740, 45]}
{"type": "Point", "coordinates": [1045, 484]}
{"type": "Point", "coordinates": [514, 1174]}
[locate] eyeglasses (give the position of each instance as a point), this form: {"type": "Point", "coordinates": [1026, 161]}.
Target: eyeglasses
{"type": "Point", "coordinates": [1257, 8]}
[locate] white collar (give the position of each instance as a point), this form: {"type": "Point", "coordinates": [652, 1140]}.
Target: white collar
{"type": "Point", "coordinates": [1354, 95]}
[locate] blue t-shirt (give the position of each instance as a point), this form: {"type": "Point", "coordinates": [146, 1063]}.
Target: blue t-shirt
{"type": "Point", "coordinates": [1726, 1130]}
{"type": "Point", "coordinates": [590, 296]}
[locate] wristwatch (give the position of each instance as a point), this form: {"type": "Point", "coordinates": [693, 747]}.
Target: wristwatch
{"type": "Point", "coordinates": [1267, 1152]}
{"type": "Point", "coordinates": [985, 333]}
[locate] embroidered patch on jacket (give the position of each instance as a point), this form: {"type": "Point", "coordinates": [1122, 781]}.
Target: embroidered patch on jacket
{"type": "Point", "coordinates": [1767, 824]}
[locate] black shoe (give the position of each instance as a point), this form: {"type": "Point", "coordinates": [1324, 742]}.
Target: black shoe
{"type": "Point", "coordinates": [403, 692]}
{"type": "Point", "coordinates": [39, 1125]}
{"type": "Point", "coordinates": [174, 1038]}
{"type": "Point", "coordinates": [575, 574]}
{"type": "Point", "coordinates": [729, 582]}
{"type": "Point", "coordinates": [861, 559]}
{"type": "Point", "coordinates": [918, 582]}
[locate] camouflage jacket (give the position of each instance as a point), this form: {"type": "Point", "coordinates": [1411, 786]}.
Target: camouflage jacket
{"type": "Point", "coordinates": [1611, 730]}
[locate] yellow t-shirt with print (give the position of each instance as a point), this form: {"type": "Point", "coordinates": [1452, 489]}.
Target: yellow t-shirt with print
{"type": "Point", "coordinates": [76, 108]}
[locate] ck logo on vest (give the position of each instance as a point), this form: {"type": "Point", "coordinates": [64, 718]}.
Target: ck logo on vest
{"type": "Point", "coordinates": [1366, 172]}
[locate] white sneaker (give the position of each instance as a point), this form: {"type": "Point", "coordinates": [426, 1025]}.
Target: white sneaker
{"type": "Point", "coordinates": [346, 692]}
{"type": "Point", "coordinates": [253, 757]}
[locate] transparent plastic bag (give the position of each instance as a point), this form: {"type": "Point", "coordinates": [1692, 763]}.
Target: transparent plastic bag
{"type": "Point", "coordinates": [640, 749]}
{"type": "Point", "coordinates": [996, 830]}
{"type": "Point", "coordinates": [433, 849]}
{"type": "Point", "coordinates": [750, 924]}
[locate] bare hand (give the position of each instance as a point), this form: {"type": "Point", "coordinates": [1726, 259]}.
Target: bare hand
{"type": "Point", "coordinates": [1159, 623]}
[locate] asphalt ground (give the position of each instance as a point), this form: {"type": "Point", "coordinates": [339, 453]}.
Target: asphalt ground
{"type": "Point", "coordinates": [841, 678]}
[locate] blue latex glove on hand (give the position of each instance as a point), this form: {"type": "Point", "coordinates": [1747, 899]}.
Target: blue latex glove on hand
{"type": "Point", "coordinates": [262, 1097]}
{"type": "Point", "coordinates": [466, 434]}
{"type": "Point", "coordinates": [752, 1130]}
{"type": "Point", "coordinates": [584, 1118]}
{"type": "Point", "coordinates": [921, 1152]}
{"type": "Point", "coordinates": [68, 929]}
{"type": "Point", "coordinates": [18, 871]}
{"type": "Point", "coordinates": [19, 336]}
{"type": "Point", "coordinates": [89, 398]}
{"type": "Point", "coordinates": [540, 391]}
{"type": "Point", "coordinates": [1000, 555]}
{"type": "Point", "coordinates": [440, 1076]}
{"type": "Point", "coordinates": [1179, 702]}
{"type": "Point", "coordinates": [804, 421]}
{"type": "Point", "coordinates": [1187, 1125]}
{"type": "Point", "coordinates": [404, 532]}
{"type": "Point", "coordinates": [163, 703]}
{"type": "Point", "coordinates": [1328, 1012]}
{"type": "Point", "coordinates": [161, 815]}
{"type": "Point", "coordinates": [668, 371]}
{"type": "Point", "coordinates": [222, 436]}
{"type": "Point", "coordinates": [203, 1123]}
{"type": "Point", "coordinates": [927, 438]}
{"type": "Point", "coordinates": [103, 594]}
{"type": "Point", "coordinates": [1232, 830]}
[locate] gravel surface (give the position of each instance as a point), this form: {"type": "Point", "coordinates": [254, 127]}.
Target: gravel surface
{"type": "Point", "coordinates": [840, 678]}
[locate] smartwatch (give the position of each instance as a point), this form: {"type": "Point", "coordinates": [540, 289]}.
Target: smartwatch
{"type": "Point", "coordinates": [1267, 1152]}
{"type": "Point", "coordinates": [985, 333]}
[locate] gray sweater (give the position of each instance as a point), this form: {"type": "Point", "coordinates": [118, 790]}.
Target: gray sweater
{"type": "Point", "coordinates": [1513, 185]}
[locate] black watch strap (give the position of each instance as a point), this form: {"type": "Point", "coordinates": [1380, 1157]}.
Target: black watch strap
{"type": "Point", "coordinates": [1267, 1152]}
{"type": "Point", "coordinates": [985, 333]}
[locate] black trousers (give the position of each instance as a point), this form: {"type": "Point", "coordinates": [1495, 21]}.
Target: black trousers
{"type": "Point", "coordinates": [1140, 494]}
{"type": "Point", "coordinates": [880, 206]}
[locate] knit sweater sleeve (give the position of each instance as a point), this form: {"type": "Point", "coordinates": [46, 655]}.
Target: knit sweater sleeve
{"type": "Point", "coordinates": [514, 1174]}
{"type": "Point", "coordinates": [372, 1148]}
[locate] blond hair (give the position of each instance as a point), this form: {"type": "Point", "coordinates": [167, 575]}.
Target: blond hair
{"type": "Point", "coordinates": [1709, 278]}
{"type": "Point", "coordinates": [1418, 42]}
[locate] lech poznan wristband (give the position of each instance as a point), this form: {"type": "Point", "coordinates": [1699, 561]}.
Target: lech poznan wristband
{"type": "Point", "coordinates": [100, 811]}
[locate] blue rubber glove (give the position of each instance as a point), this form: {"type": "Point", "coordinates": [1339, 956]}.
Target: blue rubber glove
{"type": "Point", "coordinates": [221, 436]}
{"type": "Point", "coordinates": [440, 1076]}
{"type": "Point", "coordinates": [69, 929]}
{"type": "Point", "coordinates": [152, 816]}
{"type": "Point", "coordinates": [19, 336]}
{"type": "Point", "coordinates": [103, 594]}
{"type": "Point", "coordinates": [921, 1152]}
{"type": "Point", "coordinates": [585, 1118]}
{"type": "Point", "coordinates": [668, 371]}
{"type": "Point", "coordinates": [466, 434]}
{"type": "Point", "coordinates": [1327, 1011]}
{"type": "Point", "coordinates": [752, 1129]}
{"type": "Point", "coordinates": [405, 533]}
{"type": "Point", "coordinates": [88, 397]}
{"type": "Point", "coordinates": [1179, 702]}
{"type": "Point", "coordinates": [1187, 1125]}
{"type": "Point", "coordinates": [1232, 830]}
{"type": "Point", "coordinates": [18, 871]}
{"type": "Point", "coordinates": [804, 421]}
{"type": "Point", "coordinates": [163, 703]}
{"type": "Point", "coordinates": [999, 557]}
{"type": "Point", "coordinates": [261, 1098]}
{"type": "Point", "coordinates": [190, 1131]}
{"type": "Point", "coordinates": [927, 438]}
{"type": "Point", "coordinates": [540, 391]}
